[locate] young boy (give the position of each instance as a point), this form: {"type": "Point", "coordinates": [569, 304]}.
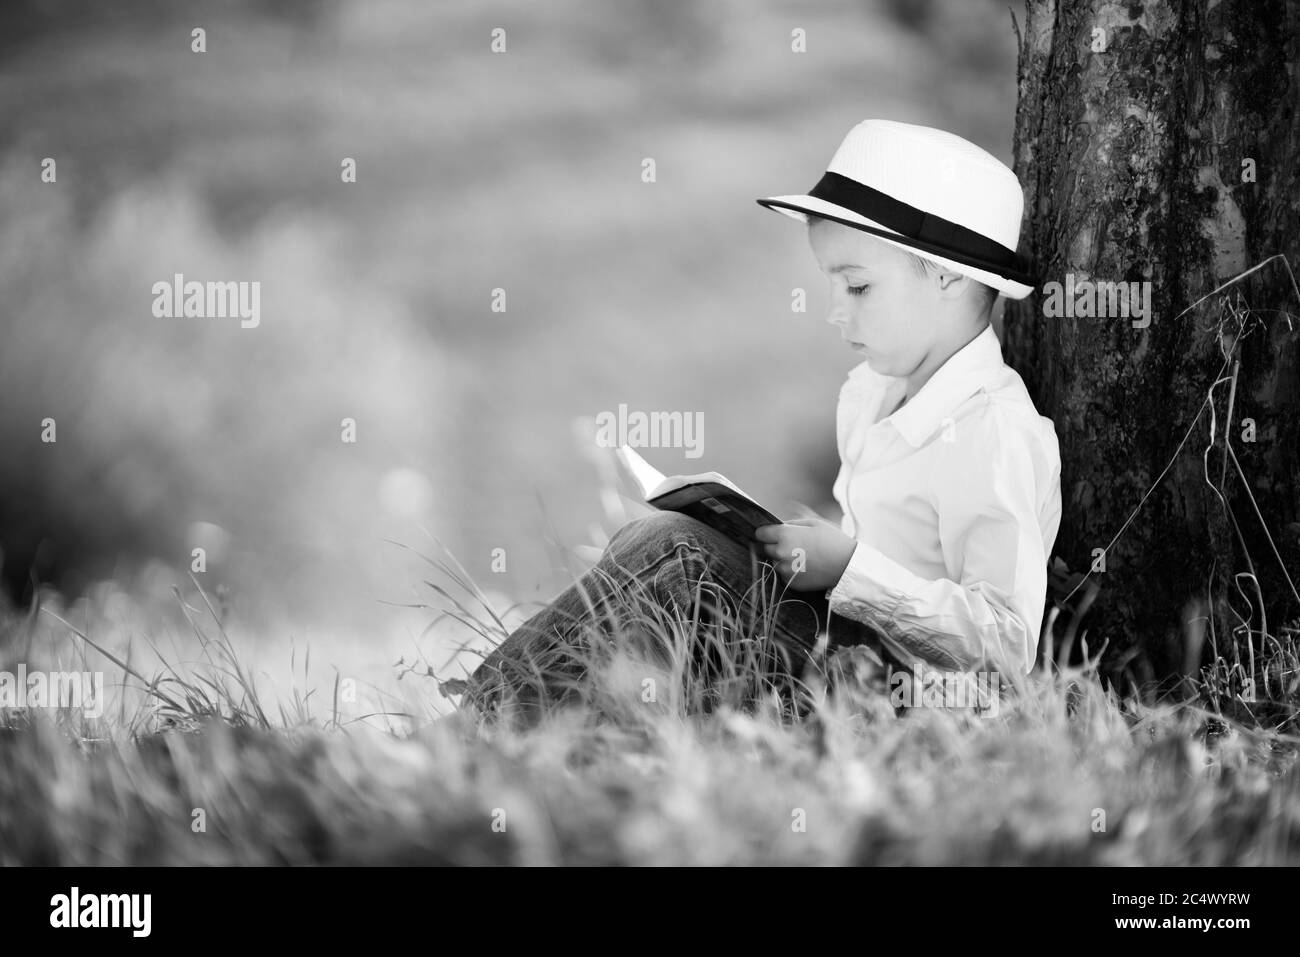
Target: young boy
{"type": "Point", "coordinates": [949, 480]}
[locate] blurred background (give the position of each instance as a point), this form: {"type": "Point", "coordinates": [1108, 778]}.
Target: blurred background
{"type": "Point", "coordinates": [476, 170]}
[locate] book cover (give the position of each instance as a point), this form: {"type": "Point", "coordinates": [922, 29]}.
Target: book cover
{"type": "Point", "coordinates": [708, 497]}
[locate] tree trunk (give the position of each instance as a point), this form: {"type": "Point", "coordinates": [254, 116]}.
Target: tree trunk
{"type": "Point", "coordinates": [1168, 156]}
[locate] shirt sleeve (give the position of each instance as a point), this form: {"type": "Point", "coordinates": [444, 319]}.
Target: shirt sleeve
{"type": "Point", "coordinates": [988, 613]}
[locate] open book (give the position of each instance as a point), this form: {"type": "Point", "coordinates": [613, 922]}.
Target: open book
{"type": "Point", "coordinates": [709, 497]}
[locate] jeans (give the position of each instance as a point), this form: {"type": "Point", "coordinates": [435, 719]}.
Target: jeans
{"type": "Point", "coordinates": [657, 573]}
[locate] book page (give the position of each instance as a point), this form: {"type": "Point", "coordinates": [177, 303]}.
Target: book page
{"type": "Point", "coordinates": [645, 474]}
{"type": "Point", "coordinates": [654, 483]}
{"type": "Point", "coordinates": [708, 497]}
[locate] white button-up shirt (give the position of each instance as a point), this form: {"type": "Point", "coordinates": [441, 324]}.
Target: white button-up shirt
{"type": "Point", "coordinates": [955, 500]}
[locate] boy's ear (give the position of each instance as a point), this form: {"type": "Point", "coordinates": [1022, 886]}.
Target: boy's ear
{"type": "Point", "coordinates": [952, 285]}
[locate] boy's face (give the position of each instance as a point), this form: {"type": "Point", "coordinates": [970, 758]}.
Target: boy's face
{"type": "Point", "coordinates": [879, 301]}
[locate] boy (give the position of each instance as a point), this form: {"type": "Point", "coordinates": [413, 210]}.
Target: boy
{"type": "Point", "coordinates": [949, 479]}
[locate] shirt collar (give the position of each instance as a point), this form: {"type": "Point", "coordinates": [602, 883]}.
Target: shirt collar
{"type": "Point", "coordinates": [964, 373]}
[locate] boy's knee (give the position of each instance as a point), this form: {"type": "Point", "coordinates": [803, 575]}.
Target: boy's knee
{"type": "Point", "coordinates": [645, 541]}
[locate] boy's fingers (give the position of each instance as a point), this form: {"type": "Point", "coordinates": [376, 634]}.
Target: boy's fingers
{"type": "Point", "coordinates": [776, 552]}
{"type": "Point", "coordinates": [775, 533]}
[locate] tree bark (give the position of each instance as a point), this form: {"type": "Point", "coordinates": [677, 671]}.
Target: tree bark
{"type": "Point", "coordinates": [1136, 162]}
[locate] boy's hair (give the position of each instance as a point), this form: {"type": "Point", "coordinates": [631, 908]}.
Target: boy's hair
{"type": "Point", "coordinates": [987, 295]}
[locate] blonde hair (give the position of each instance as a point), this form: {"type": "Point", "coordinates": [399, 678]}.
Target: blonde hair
{"type": "Point", "coordinates": [985, 294]}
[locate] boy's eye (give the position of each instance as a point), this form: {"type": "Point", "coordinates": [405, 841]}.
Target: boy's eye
{"type": "Point", "coordinates": [858, 290]}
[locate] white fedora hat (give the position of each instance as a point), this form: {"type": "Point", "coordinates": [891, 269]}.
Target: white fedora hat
{"type": "Point", "coordinates": [929, 192]}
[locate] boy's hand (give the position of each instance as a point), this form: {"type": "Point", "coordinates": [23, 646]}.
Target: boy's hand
{"type": "Point", "coordinates": [810, 553]}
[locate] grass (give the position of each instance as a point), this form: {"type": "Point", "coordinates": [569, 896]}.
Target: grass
{"type": "Point", "coordinates": [202, 769]}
